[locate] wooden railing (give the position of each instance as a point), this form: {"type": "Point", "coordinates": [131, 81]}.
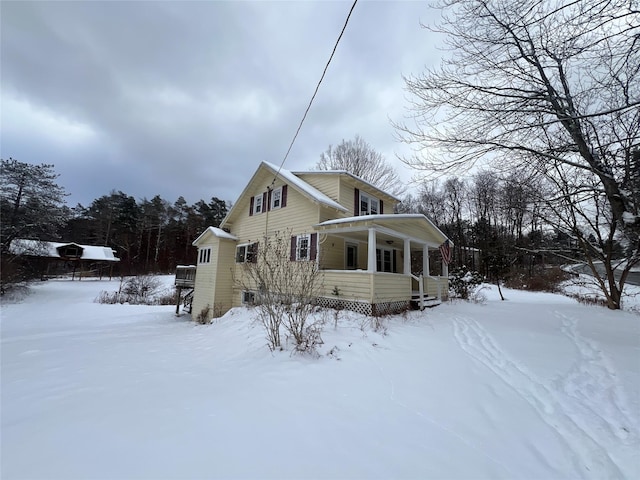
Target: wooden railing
{"type": "Point", "coordinates": [185, 276]}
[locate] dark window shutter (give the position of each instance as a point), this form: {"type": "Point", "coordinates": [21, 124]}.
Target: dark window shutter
{"type": "Point", "coordinates": [395, 264]}
{"type": "Point", "coordinates": [283, 198]}
{"type": "Point", "coordinates": [264, 202]}
{"type": "Point", "coordinates": [381, 209]}
{"type": "Point", "coordinates": [253, 253]}
{"type": "Point", "coordinates": [314, 246]}
{"type": "Point", "coordinates": [356, 202]}
{"type": "Point", "coordinates": [251, 206]}
{"type": "Point", "coordinates": [293, 249]}
{"type": "Point", "coordinates": [268, 199]}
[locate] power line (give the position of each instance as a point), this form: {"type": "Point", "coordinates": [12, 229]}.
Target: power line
{"type": "Point", "coordinates": [315, 91]}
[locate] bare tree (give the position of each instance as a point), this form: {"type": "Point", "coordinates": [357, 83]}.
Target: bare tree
{"type": "Point", "coordinates": [548, 88]}
{"type": "Point", "coordinates": [284, 291]}
{"type": "Point", "coordinates": [359, 158]}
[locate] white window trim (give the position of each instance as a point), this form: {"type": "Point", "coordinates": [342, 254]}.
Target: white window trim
{"type": "Point", "coordinates": [248, 297]}
{"type": "Point", "coordinates": [307, 237]}
{"type": "Point", "coordinates": [245, 247]}
{"type": "Point", "coordinates": [273, 198]}
{"type": "Point", "coordinates": [370, 200]}
{"type": "Point", "coordinates": [257, 202]}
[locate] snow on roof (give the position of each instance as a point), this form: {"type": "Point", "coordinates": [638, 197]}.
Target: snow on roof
{"type": "Point", "coordinates": [385, 216]}
{"type": "Point", "coordinates": [345, 172]}
{"type": "Point", "coordinates": [300, 184]}
{"type": "Point", "coordinates": [216, 232]}
{"type": "Point", "coordinates": [37, 248]}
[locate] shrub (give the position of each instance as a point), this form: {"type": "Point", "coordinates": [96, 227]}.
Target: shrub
{"type": "Point", "coordinates": [463, 283]}
{"type": "Point", "coordinates": [544, 279]}
{"type": "Point", "coordinates": [203, 317]}
{"type": "Point", "coordinates": [139, 290]}
{"type": "Point", "coordinates": [285, 293]}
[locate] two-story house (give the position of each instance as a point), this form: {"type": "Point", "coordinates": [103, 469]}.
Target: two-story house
{"type": "Point", "coordinates": [364, 251]}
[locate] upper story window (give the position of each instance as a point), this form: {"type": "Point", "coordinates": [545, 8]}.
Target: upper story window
{"type": "Point", "coordinates": [269, 200]}
{"type": "Point", "coordinates": [276, 198]}
{"type": "Point", "coordinates": [204, 255]}
{"type": "Point", "coordinates": [247, 253]}
{"type": "Point", "coordinates": [257, 204]}
{"type": "Point", "coordinates": [369, 205]}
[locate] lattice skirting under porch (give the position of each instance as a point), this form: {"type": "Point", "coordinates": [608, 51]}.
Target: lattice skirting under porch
{"type": "Point", "coordinates": [376, 309]}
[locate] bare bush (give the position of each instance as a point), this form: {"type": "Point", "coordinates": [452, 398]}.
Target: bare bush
{"type": "Point", "coordinates": [141, 287]}
{"type": "Point", "coordinates": [139, 290]}
{"type": "Point", "coordinates": [203, 317]}
{"type": "Point", "coordinates": [542, 280]}
{"type": "Point", "coordinates": [285, 292]}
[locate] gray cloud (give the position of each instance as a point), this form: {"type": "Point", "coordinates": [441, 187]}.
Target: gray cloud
{"type": "Point", "coordinates": [186, 98]}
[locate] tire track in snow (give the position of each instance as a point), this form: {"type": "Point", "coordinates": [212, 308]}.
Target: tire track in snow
{"type": "Point", "coordinates": [440, 426]}
{"type": "Point", "coordinates": [593, 385]}
{"type": "Point", "coordinates": [590, 458]}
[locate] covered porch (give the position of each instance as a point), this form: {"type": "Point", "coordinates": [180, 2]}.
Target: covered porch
{"type": "Point", "coordinates": [382, 261]}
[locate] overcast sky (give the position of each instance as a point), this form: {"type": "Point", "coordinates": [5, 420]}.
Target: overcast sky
{"type": "Point", "coordinates": [187, 98]}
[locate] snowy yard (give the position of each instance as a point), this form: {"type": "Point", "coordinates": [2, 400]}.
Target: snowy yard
{"type": "Point", "coordinates": [534, 387]}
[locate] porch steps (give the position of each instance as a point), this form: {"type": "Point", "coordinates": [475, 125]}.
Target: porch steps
{"type": "Point", "coordinates": [428, 302]}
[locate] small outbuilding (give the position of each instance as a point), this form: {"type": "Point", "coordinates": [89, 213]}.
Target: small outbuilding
{"type": "Point", "coordinates": [60, 257]}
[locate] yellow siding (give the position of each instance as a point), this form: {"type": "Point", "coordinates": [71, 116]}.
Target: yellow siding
{"type": "Point", "coordinates": [223, 300]}
{"type": "Point", "coordinates": [326, 183]}
{"type": "Point", "coordinates": [214, 280]}
{"type": "Point", "coordinates": [204, 287]}
{"type": "Point", "coordinates": [352, 285]}
{"type": "Point", "coordinates": [346, 197]}
{"type": "Point", "coordinates": [366, 287]}
{"type": "Point", "coordinates": [297, 217]}
{"type": "Point", "coordinates": [388, 287]}
{"type": "Point", "coordinates": [332, 253]}
{"type": "Point", "coordinates": [431, 286]}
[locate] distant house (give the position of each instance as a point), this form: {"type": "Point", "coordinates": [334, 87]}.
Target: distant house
{"type": "Point", "coordinates": [364, 251]}
{"type": "Point", "coordinates": [60, 257]}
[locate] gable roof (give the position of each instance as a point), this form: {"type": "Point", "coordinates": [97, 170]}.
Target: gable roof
{"type": "Point", "coordinates": [216, 232]}
{"type": "Point", "coordinates": [37, 248]}
{"type": "Point", "coordinates": [291, 179]}
{"type": "Point", "coordinates": [348, 174]}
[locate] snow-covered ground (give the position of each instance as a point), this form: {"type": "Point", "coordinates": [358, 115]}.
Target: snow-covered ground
{"type": "Point", "coordinates": [534, 387]}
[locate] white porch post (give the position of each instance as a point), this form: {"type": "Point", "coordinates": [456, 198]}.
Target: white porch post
{"type": "Point", "coordinates": [371, 260]}
{"type": "Point", "coordinates": [425, 260]}
{"type": "Point", "coordinates": [445, 269]}
{"type": "Point", "coordinates": [407, 256]}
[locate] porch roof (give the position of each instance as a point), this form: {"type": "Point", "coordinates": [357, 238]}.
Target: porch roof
{"type": "Point", "coordinates": [415, 227]}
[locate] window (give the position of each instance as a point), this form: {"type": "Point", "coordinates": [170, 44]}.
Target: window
{"type": "Point", "coordinates": [257, 204]}
{"type": "Point", "coordinates": [204, 255]}
{"type": "Point", "coordinates": [368, 205]}
{"type": "Point", "coordinates": [302, 247]}
{"type": "Point", "coordinates": [269, 200]}
{"type": "Point", "coordinates": [352, 256]}
{"type": "Point", "coordinates": [247, 253]}
{"type": "Point", "coordinates": [384, 260]}
{"type": "Point", "coordinates": [276, 198]}
{"type": "Point", "coordinates": [248, 297]}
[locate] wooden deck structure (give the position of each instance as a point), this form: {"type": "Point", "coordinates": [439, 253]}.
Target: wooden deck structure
{"type": "Point", "coordinates": [185, 280]}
